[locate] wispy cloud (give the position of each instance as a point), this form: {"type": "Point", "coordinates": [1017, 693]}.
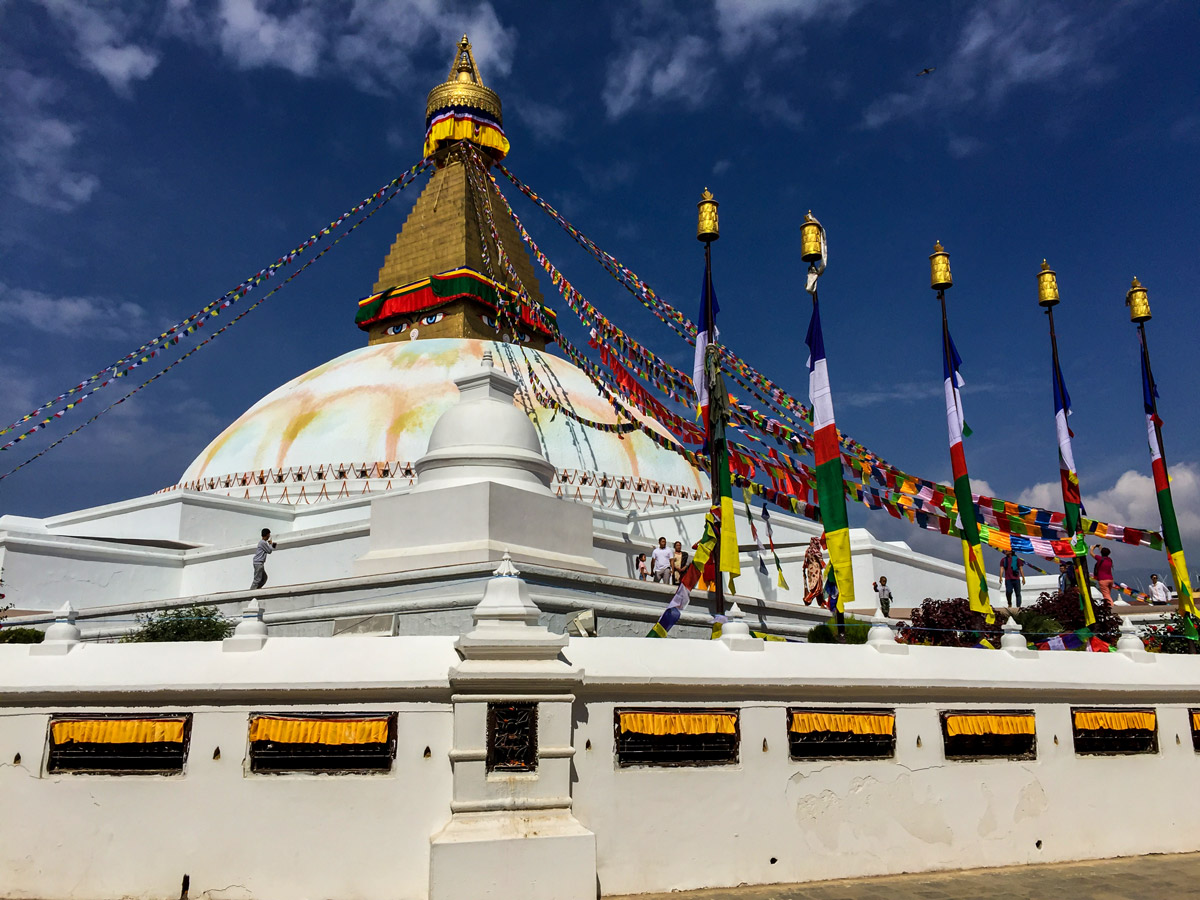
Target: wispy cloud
{"type": "Point", "coordinates": [962, 146]}
{"type": "Point", "coordinates": [370, 43]}
{"type": "Point", "coordinates": [104, 38]}
{"type": "Point", "coordinates": [671, 68]}
{"type": "Point", "coordinates": [80, 316]}
{"type": "Point", "coordinates": [38, 155]}
{"type": "Point", "coordinates": [745, 24]}
{"type": "Point", "coordinates": [667, 50]}
{"type": "Point", "coordinates": [912, 392]}
{"type": "Point", "coordinates": [547, 122]}
{"type": "Point", "coordinates": [1004, 45]}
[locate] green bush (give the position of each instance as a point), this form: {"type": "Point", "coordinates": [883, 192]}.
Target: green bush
{"type": "Point", "coordinates": [826, 632]}
{"type": "Point", "coordinates": [1037, 627]}
{"type": "Point", "coordinates": [21, 636]}
{"type": "Point", "coordinates": [191, 623]}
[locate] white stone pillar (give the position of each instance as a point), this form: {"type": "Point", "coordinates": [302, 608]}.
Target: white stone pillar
{"type": "Point", "coordinates": [512, 833]}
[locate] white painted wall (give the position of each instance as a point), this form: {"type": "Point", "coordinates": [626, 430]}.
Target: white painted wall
{"type": "Point", "coordinates": [241, 835]}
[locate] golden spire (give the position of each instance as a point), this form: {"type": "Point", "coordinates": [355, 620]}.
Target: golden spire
{"type": "Point", "coordinates": [464, 68]}
{"type": "Point", "coordinates": [464, 87]}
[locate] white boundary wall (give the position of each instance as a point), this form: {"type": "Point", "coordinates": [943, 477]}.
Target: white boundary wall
{"type": "Point", "coordinates": [242, 835]}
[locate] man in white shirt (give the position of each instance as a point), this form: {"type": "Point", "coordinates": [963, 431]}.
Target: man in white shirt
{"type": "Point", "coordinates": [1159, 593]}
{"type": "Point", "coordinates": [660, 562]}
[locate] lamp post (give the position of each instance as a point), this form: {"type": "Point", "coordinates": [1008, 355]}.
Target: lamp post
{"type": "Point", "coordinates": [708, 230]}
{"type": "Point", "coordinates": [1048, 298]}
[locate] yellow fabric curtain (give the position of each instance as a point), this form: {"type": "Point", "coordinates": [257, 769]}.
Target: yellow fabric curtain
{"type": "Point", "coordinates": [117, 731]}
{"type": "Point", "coordinates": [992, 723]}
{"type": "Point", "coordinates": [477, 133]}
{"type": "Point", "coordinates": [1196, 721]}
{"type": "Point", "coordinates": [678, 723]}
{"type": "Point", "coordinates": [854, 723]}
{"type": "Point", "coordinates": [319, 731]}
{"type": "Point", "coordinates": [1114, 720]}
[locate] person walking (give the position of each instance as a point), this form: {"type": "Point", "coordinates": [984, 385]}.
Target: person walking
{"type": "Point", "coordinates": [1160, 595]}
{"type": "Point", "coordinates": [679, 562]}
{"type": "Point", "coordinates": [660, 562]}
{"type": "Point", "coordinates": [1012, 571]}
{"type": "Point", "coordinates": [643, 571]}
{"type": "Point", "coordinates": [265, 546]}
{"type": "Point", "coordinates": [1104, 574]}
{"type": "Point", "coordinates": [885, 595]}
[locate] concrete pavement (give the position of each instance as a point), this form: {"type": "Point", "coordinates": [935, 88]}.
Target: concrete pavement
{"type": "Point", "coordinates": [1132, 878]}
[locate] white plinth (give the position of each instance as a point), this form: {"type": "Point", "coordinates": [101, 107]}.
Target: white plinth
{"type": "Point", "coordinates": [530, 856]}
{"type": "Point", "coordinates": [477, 522]}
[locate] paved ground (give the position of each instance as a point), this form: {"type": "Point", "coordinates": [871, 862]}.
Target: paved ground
{"type": "Point", "coordinates": [1135, 878]}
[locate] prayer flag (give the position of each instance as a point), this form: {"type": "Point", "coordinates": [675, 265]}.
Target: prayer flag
{"type": "Point", "coordinates": [830, 496]}
{"type": "Point", "coordinates": [700, 566]}
{"type": "Point", "coordinates": [1069, 477]}
{"type": "Point", "coordinates": [977, 593]}
{"type": "Point", "coordinates": [1162, 487]}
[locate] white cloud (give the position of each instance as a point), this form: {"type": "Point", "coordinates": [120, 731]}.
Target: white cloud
{"type": "Point", "coordinates": [668, 68]}
{"type": "Point", "coordinates": [1133, 501]}
{"type": "Point", "coordinates": [721, 166]}
{"type": "Point", "coordinates": [78, 316]}
{"type": "Point", "coordinates": [742, 24]}
{"type": "Point", "coordinates": [961, 147]}
{"type": "Point", "coordinates": [103, 37]}
{"type": "Point", "coordinates": [37, 147]}
{"type": "Point", "coordinates": [371, 43]}
{"type": "Point", "coordinates": [1004, 45]}
{"type": "Point", "coordinates": [547, 122]}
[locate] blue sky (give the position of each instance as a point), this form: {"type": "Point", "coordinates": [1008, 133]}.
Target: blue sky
{"type": "Point", "coordinates": [154, 154]}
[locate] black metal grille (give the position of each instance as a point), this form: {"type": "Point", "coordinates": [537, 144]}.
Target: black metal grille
{"type": "Point", "coordinates": [512, 737]}
{"type": "Point", "coordinates": [634, 749]}
{"type": "Point", "coordinates": [285, 756]}
{"type": "Point", "coordinates": [988, 746]}
{"type": "Point", "coordinates": [81, 757]}
{"type": "Point", "coordinates": [1115, 741]}
{"type": "Point", "coordinates": [841, 744]}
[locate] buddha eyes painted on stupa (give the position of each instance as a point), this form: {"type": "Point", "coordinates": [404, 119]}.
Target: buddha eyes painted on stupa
{"type": "Point", "coordinates": [507, 337]}
{"type": "Point", "coordinates": [403, 326]}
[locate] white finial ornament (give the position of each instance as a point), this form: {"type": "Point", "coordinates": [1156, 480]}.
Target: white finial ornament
{"type": "Point", "coordinates": [506, 569]}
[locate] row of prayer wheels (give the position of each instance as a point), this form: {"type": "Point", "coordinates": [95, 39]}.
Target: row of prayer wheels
{"type": "Point", "coordinates": [812, 239]}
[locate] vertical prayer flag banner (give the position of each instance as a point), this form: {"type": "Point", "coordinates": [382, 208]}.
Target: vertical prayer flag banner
{"type": "Point", "coordinates": [1162, 488]}
{"type": "Point", "coordinates": [718, 414]}
{"type": "Point", "coordinates": [713, 401]}
{"type": "Point", "coordinates": [830, 496]}
{"type": "Point", "coordinates": [708, 314]}
{"type": "Point", "coordinates": [701, 567]}
{"type": "Point", "coordinates": [1072, 500]}
{"type": "Point", "coordinates": [977, 593]}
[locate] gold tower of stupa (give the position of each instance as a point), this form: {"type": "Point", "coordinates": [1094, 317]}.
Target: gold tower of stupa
{"type": "Point", "coordinates": [434, 282]}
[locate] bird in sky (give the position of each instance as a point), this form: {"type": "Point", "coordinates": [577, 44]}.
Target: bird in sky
{"type": "Point", "coordinates": [926, 71]}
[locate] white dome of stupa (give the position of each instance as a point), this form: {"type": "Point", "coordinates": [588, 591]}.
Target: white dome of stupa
{"type": "Point", "coordinates": [358, 424]}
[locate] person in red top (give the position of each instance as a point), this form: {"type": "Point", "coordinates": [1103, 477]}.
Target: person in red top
{"type": "Point", "coordinates": [1104, 574]}
{"type": "Point", "coordinates": [1012, 572]}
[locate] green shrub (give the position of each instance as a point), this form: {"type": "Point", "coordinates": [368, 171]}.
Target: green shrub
{"type": "Point", "coordinates": [191, 623]}
{"type": "Point", "coordinates": [826, 632]}
{"type": "Point", "coordinates": [21, 636]}
{"type": "Point", "coordinates": [1036, 626]}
